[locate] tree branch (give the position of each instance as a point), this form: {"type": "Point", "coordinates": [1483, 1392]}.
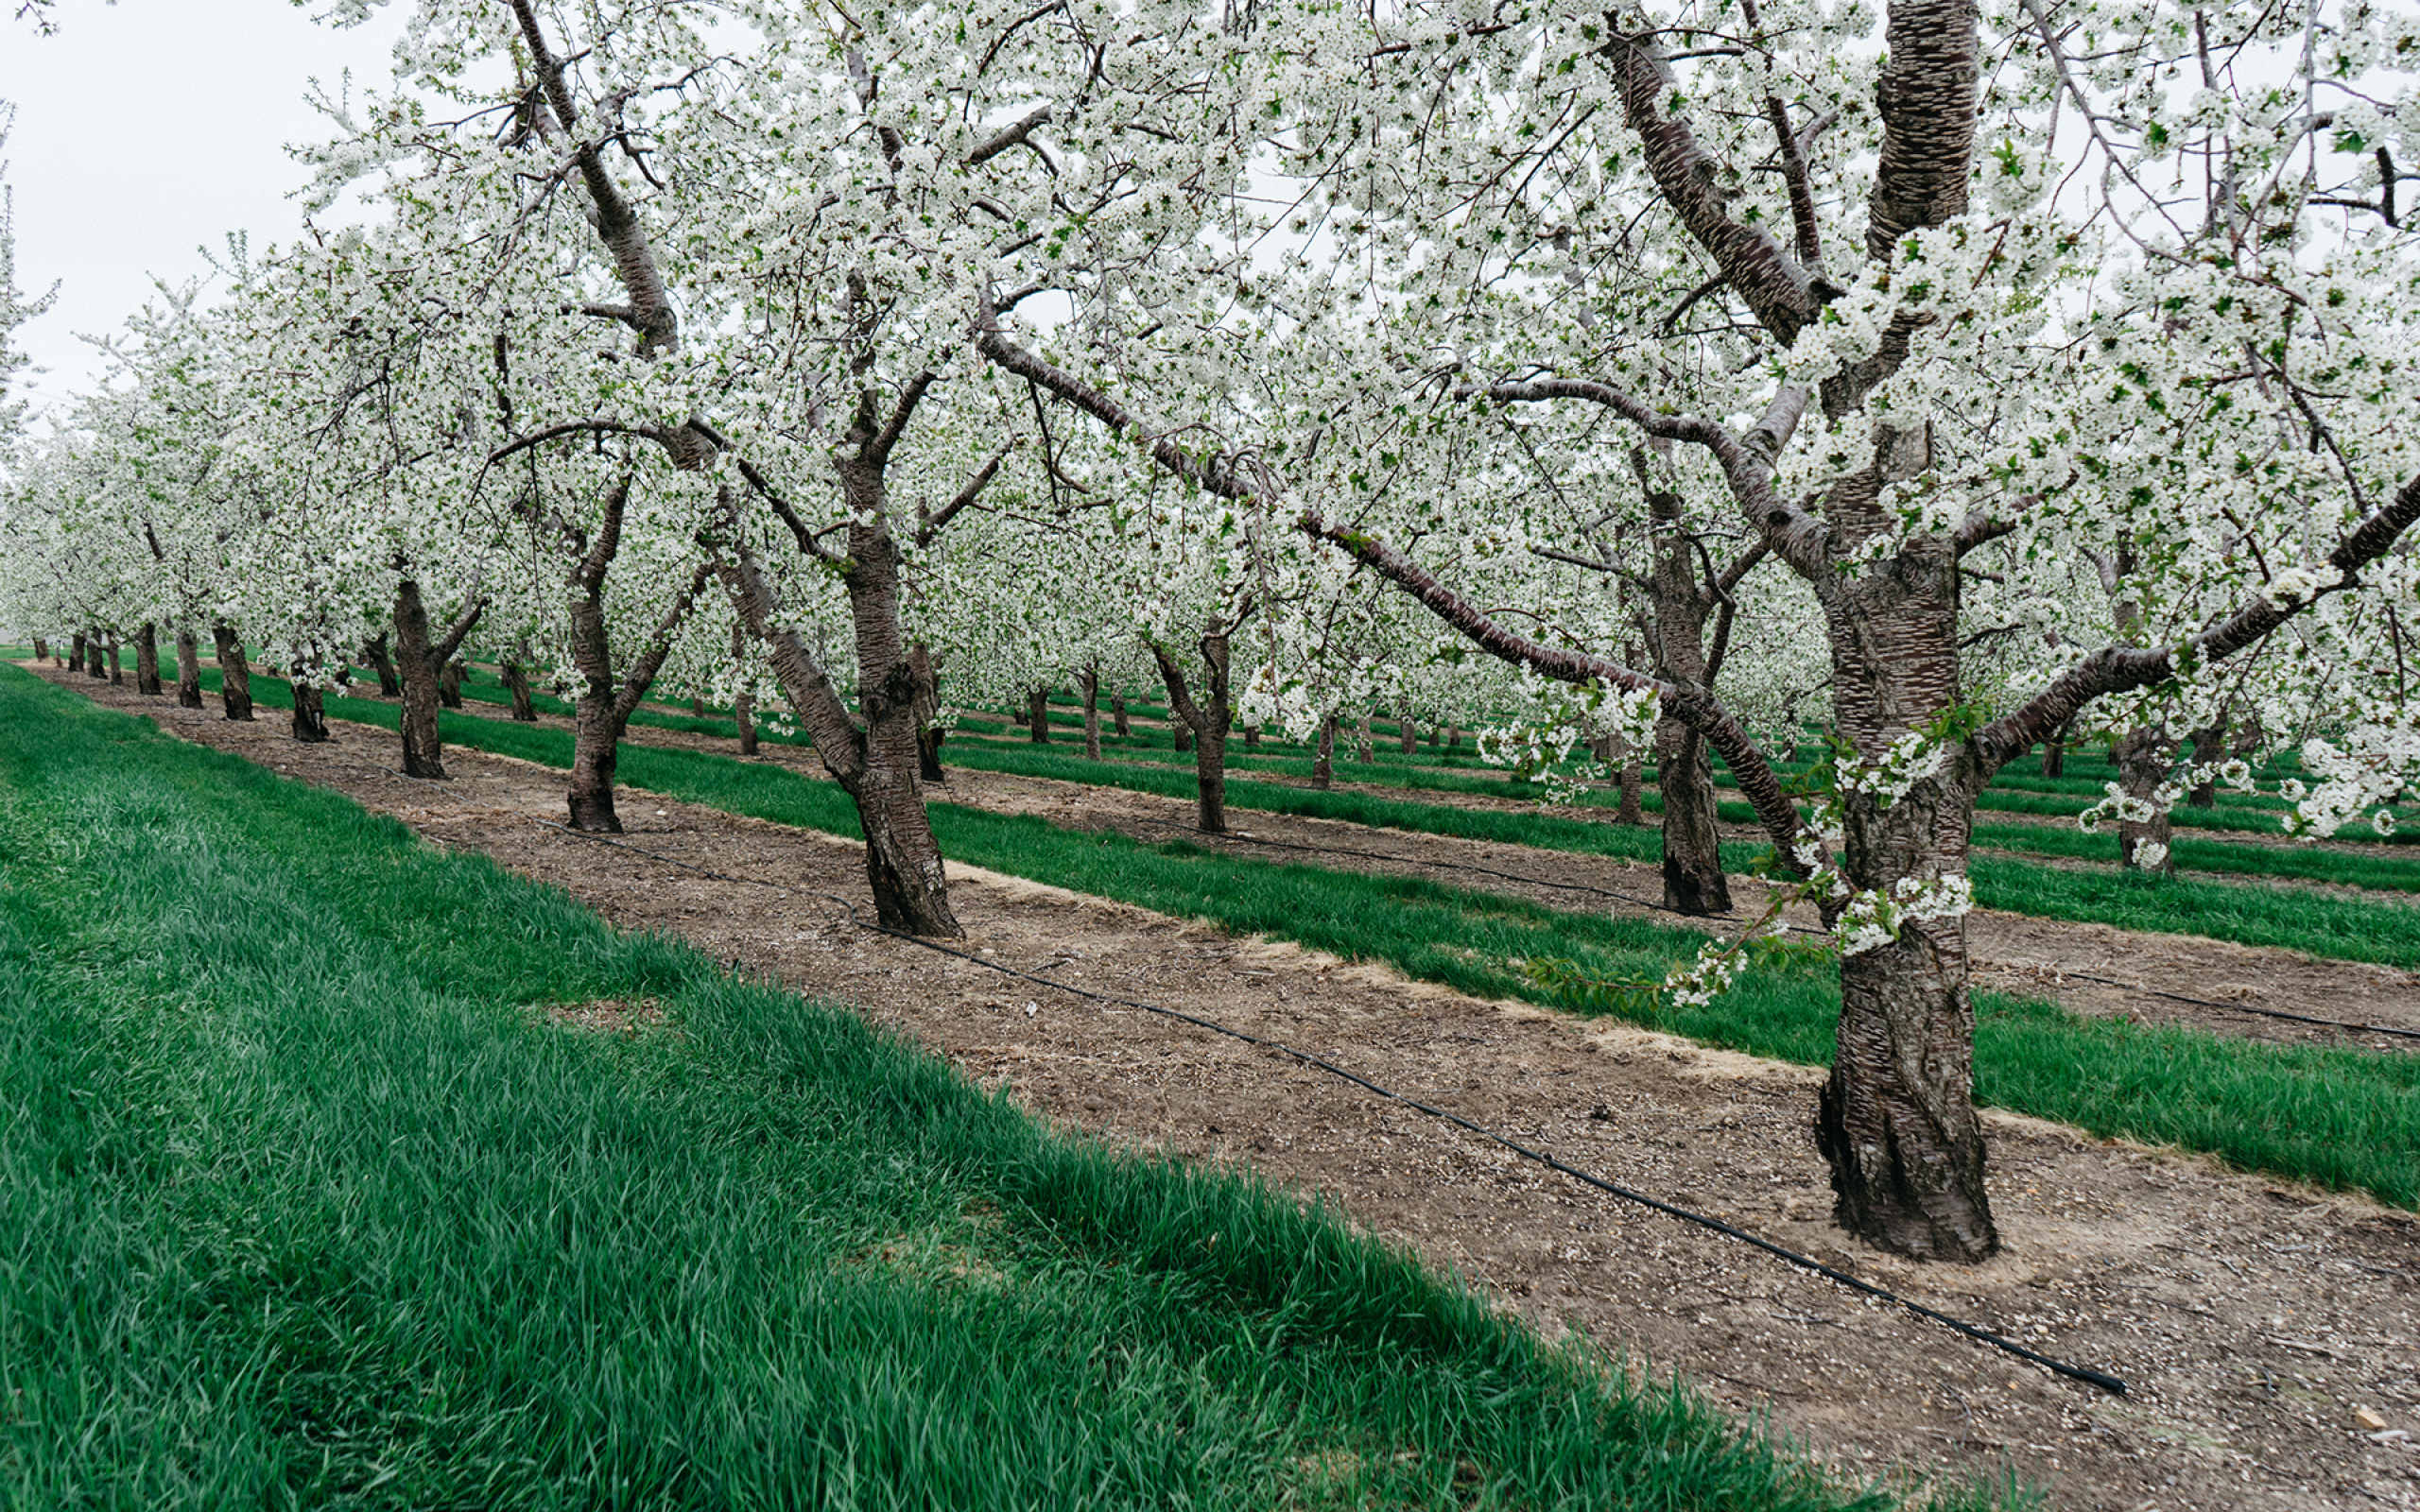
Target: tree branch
{"type": "Point", "coordinates": [2122, 669]}
{"type": "Point", "coordinates": [1694, 706]}
{"type": "Point", "coordinates": [932, 523]}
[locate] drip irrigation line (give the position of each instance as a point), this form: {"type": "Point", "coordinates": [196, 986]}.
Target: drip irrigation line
{"type": "Point", "coordinates": [1799, 929]}
{"type": "Point", "coordinates": [2075, 1372]}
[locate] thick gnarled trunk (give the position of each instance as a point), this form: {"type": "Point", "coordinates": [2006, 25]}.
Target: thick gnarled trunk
{"type": "Point", "coordinates": [1898, 1121]}
{"type": "Point", "coordinates": [234, 675]}
{"type": "Point", "coordinates": [310, 724]}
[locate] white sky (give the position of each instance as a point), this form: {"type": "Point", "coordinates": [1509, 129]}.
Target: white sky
{"type": "Point", "coordinates": [150, 129]}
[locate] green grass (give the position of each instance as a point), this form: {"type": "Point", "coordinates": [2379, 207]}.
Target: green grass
{"type": "Point", "coordinates": [2322, 924]}
{"type": "Point", "coordinates": [2343, 1118]}
{"type": "Point", "coordinates": [303, 1205]}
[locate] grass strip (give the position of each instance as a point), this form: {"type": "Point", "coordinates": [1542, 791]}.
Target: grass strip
{"type": "Point", "coordinates": [306, 1206]}
{"type": "Point", "coordinates": [2321, 924]}
{"type": "Point", "coordinates": [2349, 1119]}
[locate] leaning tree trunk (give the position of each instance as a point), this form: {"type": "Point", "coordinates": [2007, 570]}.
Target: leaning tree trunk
{"type": "Point", "coordinates": [1089, 681]}
{"type": "Point", "coordinates": [188, 667]}
{"type": "Point", "coordinates": [147, 660]}
{"type": "Point", "coordinates": [234, 675]}
{"type": "Point", "coordinates": [1323, 756]}
{"type": "Point", "coordinates": [373, 652]}
{"type": "Point", "coordinates": [2143, 758]}
{"type": "Point", "coordinates": [117, 664]}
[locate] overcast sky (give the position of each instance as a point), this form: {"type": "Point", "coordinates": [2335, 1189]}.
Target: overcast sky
{"type": "Point", "coordinates": [145, 131]}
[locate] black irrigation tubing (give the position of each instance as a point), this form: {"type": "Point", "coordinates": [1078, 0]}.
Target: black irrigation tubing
{"type": "Point", "coordinates": [2106, 1382]}
{"type": "Point", "coordinates": [1801, 928]}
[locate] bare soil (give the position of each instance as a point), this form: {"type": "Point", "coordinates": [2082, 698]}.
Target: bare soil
{"type": "Point", "coordinates": [2253, 1321]}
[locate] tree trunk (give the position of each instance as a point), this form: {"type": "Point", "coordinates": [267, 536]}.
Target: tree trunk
{"type": "Point", "coordinates": [449, 684]}
{"type": "Point", "coordinates": [1089, 681]}
{"type": "Point", "coordinates": [1181, 737]}
{"type": "Point", "coordinates": [2209, 743]}
{"type": "Point", "coordinates": [1117, 714]}
{"type": "Point", "coordinates": [94, 666]}
{"type": "Point", "coordinates": [117, 664]}
{"type": "Point", "coordinates": [2144, 757]}
{"type": "Point", "coordinates": [234, 676]}
{"type": "Point", "coordinates": [1362, 750]}
{"type": "Point", "coordinates": [743, 708]}
{"type": "Point", "coordinates": [1404, 729]}
{"type": "Point", "coordinates": [373, 652]}
{"type": "Point", "coordinates": [424, 748]}
{"type": "Point", "coordinates": [76, 653]}
{"type": "Point", "coordinates": [41, 648]}
{"type": "Point", "coordinates": [1897, 1123]}
{"type": "Point", "coordinates": [597, 722]}
{"type": "Point", "coordinates": [1625, 759]}
{"type": "Point", "coordinates": [697, 707]}
{"type": "Point", "coordinates": [147, 660]}
{"type": "Point", "coordinates": [1324, 757]}
{"type": "Point", "coordinates": [930, 733]}
{"type": "Point", "coordinates": [1453, 736]}
{"type": "Point", "coordinates": [2054, 753]}
{"type": "Point", "coordinates": [1432, 737]}
{"type": "Point", "coordinates": [516, 682]}
{"type": "Point", "coordinates": [1209, 717]}
{"type": "Point", "coordinates": [310, 717]}
{"type": "Point", "coordinates": [188, 667]}
{"type": "Point", "coordinates": [1252, 735]}
{"type": "Point", "coordinates": [1694, 883]}
{"type": "Point", "coordinates": [1037, 716]}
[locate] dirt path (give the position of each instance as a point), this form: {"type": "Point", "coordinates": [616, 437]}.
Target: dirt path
{"type": "Point", "coordinates": [2251, 1321]}
{"type": "Point", "coordinates": [2012, 952]}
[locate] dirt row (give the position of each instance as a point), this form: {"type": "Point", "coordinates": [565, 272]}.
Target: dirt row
{"type": "Point", "coordinates": [2261, 1328]}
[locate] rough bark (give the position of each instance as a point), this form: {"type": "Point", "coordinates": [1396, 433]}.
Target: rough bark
{"type": "Point", "coordinates": [743, 710]}
{"type": "Point", "coordinates": [875, 762]}
{"type": "Point", "coordinates": [1118, 716]}
{"type": "Point", "coordinates": [2209, 743]}
{"type": "Point", "coordinates": [94, 666]}
{"type": "Point", "coordinates": [41, 648]}
{"type": "Point", "coordinates": [117, 663]}
{"type": "Point", "coordinates": [606, 700]}
{"type": "Point", "coordinates": [1632, 767]}
{"type": "Point", "coordinates": [930, 733]}
{"type": "Point", "coordinates": [1694, 883]}
{"type": "Point", "coordinates": [1406, 732]}
{"type": "Point", "coordinates": [188, 667]}
{"type": "Point", "coordinates": [2143, 758]}
{"type": "Point", "coordinates": [449, 684]}
{"type": "Point", "coordinates": [422, 655]}
{"type": "Point", "coordinates": [147, 660]}
{"type": "Point", "coordinates": [516, 682]}
{"type": "Point", "coordinates": [1209, 716]}
{"type": "Point", "coordinates": [373, 654]}
{"type": "Point", "coordinates": [1323, 756]}
{"type": "Point", "coordinates": [310, 724]}
{"type": "Point", "coordinates": [1089, 681]}
{"type": "Point", "coordinates": [1037, 716]}
{"type": "Point", "coordinates": [76, 653]}
{"type": "Point", "coordinates": [234, 675]}
{"type": "Point", "coordinates": [1363, 751]}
